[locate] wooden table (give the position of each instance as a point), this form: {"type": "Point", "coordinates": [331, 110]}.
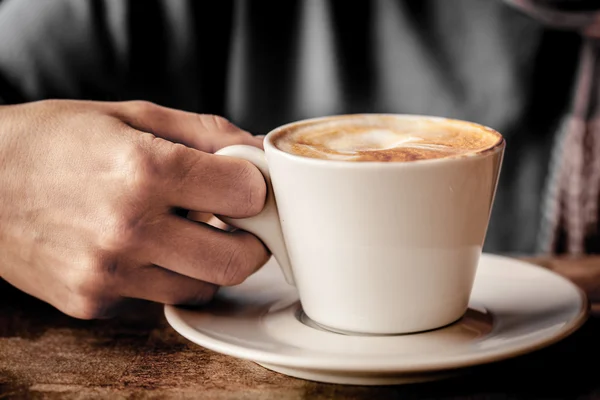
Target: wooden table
{"type": "Point", "coordinates": [45, 354]}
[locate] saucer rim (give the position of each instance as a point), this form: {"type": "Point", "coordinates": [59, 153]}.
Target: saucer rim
{"type": "Point", "coordinates": [176, 321]}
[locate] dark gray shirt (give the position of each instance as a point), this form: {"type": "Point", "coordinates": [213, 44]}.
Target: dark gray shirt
{"type": "Point", "coordinates": [265, 63]}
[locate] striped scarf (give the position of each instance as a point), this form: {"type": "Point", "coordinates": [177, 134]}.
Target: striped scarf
{"type": "Point", "coordinates": [570, 211]}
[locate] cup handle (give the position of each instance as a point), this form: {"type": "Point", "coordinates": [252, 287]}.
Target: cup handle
{"type": "Point", "coordinates": [265, 225]}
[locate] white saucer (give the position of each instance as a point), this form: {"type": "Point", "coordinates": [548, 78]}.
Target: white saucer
{"type": "Point", "coordinates": [516, 308]}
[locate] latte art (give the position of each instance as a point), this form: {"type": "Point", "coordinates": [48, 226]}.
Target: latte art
{"type": "Point", "coordinates": [384, 138]}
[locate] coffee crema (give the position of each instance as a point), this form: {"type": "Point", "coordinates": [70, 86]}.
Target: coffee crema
{"type": "Point", "coordinates": [389, 138]}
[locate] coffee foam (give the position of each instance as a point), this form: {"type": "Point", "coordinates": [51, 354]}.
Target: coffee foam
{"type": "Point", "coordinates": [384, 138]}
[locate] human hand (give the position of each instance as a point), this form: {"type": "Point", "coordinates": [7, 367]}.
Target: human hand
{"type": "Point", "coordinates": [89, 194]}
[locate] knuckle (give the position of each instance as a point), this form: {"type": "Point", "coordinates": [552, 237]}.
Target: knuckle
{"type": "Point", "coordinates": [88, 286]}
{"type": "Point", "coordinates": [133, 166]}
{"type": "Point", "coordinates": [87, 307]}
{"type": "Point", "coordinates": [120, 231]}
{"type": "Point", "coordinates": [213, 122]}
{"type": "Point", "coordinates": [175, 156]}
{"type": "Point", "coordinates": [142, 108]}
{"type": "Point", "coordinates": [91, 274]}
{"type": "Point", "coordinates": [178, 167]}
{"type": "Point", "coordinates": [236, 267]}
{"type": "Point", "coordinates": [251, 190]}
{"type": "Point", "coordinates": [140, 172]}
{"type": "Point", "coordinates": [86, 280]}
{"type": "Point", "coordinates": [256, 198]}
{"type": "Point", "coordinates": [135, 183]}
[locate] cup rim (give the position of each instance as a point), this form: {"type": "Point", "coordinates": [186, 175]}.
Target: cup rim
{"type": "Point", "coordinates": [494, 148]}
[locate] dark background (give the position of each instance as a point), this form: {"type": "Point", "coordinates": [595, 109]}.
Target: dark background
{"type": "Point", "coordinates": [265, 63]}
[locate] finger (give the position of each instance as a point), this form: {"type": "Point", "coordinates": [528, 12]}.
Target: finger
{"type": "Point", "coordinates": [203, 132]}
{"type": "Point", "coordinates": [154, 283]}
{"type": "Point", "coordinates": [199, 216]}
{"type": "Point", "coordinates": [203, 252]}
{"type": "Point", "coordinates": [190, 179]}
{"type": "Point", "coordinates": [209, 219]}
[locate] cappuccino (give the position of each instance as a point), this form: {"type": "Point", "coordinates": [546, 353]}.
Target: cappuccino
{"type": "Point", "coordinates": [377, 137]}
{"type": "Point", "coordinates": [377, 247]}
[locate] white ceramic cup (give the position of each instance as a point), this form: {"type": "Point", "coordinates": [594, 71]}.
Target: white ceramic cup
{"type": "Point", "coordinates": [376, 247]}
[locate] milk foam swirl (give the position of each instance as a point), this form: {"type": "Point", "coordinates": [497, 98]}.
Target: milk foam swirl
{"type": "Point", "coordinates": [384, 138]}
